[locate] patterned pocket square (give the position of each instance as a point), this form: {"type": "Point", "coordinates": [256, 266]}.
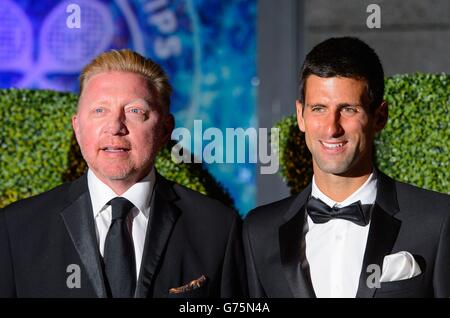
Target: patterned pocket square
{"type": "Point", "coordinates": [192, 285]}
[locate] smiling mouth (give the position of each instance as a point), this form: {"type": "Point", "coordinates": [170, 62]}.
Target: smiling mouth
{"type": "Point", "coordinates": [115, 149]}
{"type": "Point", "coordinates": [333, 146]}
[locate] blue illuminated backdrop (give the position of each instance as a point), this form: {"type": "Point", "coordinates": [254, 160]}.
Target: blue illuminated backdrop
{"type": "Point", "coordinates": [208, 48]}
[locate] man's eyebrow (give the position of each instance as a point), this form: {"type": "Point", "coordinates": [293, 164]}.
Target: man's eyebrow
{"type": "Point", "coordinates": [316, 105]}
{"type": "Point", "coordinates": [349, 104]}
{"type": "Point", "coordinates": [340, 105]}
{"type": "Point", "coordinates": [140, 101]}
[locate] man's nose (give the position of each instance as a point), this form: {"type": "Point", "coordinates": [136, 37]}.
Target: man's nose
{"type": "Point", "coordinates": [334, 127]}
{"type": "Point", "coordinates": [116, 124]}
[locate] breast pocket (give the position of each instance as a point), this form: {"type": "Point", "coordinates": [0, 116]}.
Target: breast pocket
{"type": "Point", "coordinates": [198, 288]}
{"type": "Point", "coordinates": [407, 288]}
{"type": "Point", "coordinates": [201, 292]}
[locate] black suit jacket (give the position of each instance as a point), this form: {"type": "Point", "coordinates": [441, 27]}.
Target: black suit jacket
{"type": "Point", "coordinates": [404, 218]}
{"type": "Point", "coordinates": [189, 235]}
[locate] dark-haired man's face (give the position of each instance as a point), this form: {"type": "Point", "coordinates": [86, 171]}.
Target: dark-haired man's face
{"type": "Point", "coordinates": [339, 129]}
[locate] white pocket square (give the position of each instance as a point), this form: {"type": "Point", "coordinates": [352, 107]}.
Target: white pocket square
{"type": "Point", "coordinates": [399, 266]}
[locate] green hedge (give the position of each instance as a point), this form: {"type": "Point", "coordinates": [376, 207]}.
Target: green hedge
{"type": "Point", "coordinates": [295, 158]}
{"type": "Point", "coordinates": [38, 150]}
{"type": "Point", "coordinates": [414, 147]}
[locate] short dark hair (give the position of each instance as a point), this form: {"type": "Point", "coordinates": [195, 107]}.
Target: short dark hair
{"type": "Point", "coordinates": [345, 57]}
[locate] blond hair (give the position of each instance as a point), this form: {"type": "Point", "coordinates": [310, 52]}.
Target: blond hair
{"type": "Point", "coordinates": [128, 61]}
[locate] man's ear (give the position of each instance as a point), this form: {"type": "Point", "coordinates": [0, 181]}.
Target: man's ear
{"type": "Point", "coordinates": [381, 116]}
{"type": "Point", "coordinates": [300, 119]}
{"type": "Point", "coordinates": [75, 124]}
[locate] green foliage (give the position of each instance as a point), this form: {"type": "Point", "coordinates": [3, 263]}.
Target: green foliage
{"type": "Point", "coordinates": [35, 140]}
{"type": "Point", "coordinates": [38, 150]}
{"type": "Point", "coordinates": [295, 158]}
{"type": "Point", "coordinates": [414, 147]}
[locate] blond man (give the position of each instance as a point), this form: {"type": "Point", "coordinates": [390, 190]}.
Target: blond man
{"type": "Point", "coordinates": [121, 230]}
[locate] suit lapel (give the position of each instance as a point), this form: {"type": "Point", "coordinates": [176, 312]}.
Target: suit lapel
{"type": "Point", "coordinates": [383, 231]}
{"type": "Point", "coordinates": [290, 240]}
{"type": "Point", "coordinates": [79, 222]}
{"type": "Point", "coordinates": [163, 216]}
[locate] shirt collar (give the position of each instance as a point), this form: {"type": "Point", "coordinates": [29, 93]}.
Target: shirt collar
{"type": "Point", "coordinates": [366, 193]}
{"type": "Point", "coordinates": [139, 194]}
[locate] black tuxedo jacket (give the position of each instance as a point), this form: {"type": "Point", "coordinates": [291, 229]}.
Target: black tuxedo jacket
{"type": "Point", "coordinates": [404, 218]}
{"type": "Point", "coordinates": [189, 235]}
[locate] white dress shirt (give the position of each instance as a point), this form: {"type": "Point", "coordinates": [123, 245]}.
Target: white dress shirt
{"type": "Point", "coordinates": [335, 249]}
{"type": "Point", "coordinates": [140, 194]}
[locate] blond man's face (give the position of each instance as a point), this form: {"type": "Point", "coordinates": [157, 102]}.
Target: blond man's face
{"type": "Point", "coordinates": [120, 126]}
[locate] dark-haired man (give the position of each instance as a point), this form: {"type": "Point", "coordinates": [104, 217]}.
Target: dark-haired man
{"type": "Point", "coordinates": [353, 232]}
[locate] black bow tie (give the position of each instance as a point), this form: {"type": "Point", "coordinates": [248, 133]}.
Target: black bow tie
{"type": "Point", "coordinates": [320, 212]}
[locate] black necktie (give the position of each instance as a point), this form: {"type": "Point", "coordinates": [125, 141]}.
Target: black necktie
{"type": "Point", "coordinates": [118, 256]}
{"type": "Point", "coordinates": [320, 212]}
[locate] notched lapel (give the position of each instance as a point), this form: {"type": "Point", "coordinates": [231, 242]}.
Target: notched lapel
{"type": "Point", "coordinates": [79, 221]}
{"type": "Point", "coordinates": [163, 217]}
{"type": "Point", "coordinates": [291, 237]}
{"type": "Point", "coordinates": [384, 228]}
